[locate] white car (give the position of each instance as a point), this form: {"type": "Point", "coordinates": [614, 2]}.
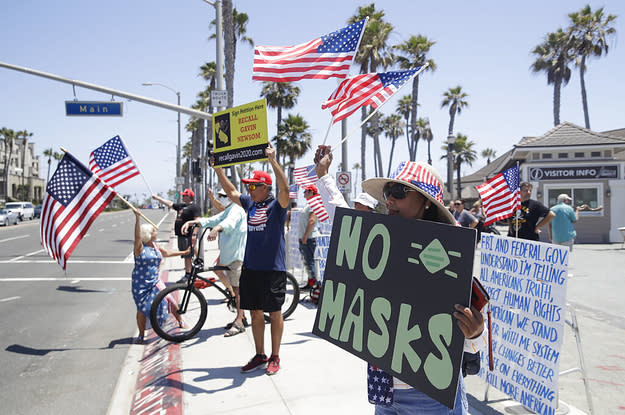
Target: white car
{"type": "Point", "coordinates": [7, 217]}
{"type": "Point", "coordinates": [24, 210]}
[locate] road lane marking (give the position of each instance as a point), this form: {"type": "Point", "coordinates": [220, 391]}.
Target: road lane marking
{"type": "Point", "coordinates": [14, 238]}
{"type": "Point", "coordinates": [4, 300]}
{"type": "Point", "coordinates": [22, 279]}
{"type": "Point", "coordinates": [35, 252]}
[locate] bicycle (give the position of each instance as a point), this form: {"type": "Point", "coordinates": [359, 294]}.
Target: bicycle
{"type": "Point", "coordinates": [188, 301]}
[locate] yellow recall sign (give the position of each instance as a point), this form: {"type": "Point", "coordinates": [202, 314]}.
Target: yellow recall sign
{"type": "Point", "coordinates": [240, 134]}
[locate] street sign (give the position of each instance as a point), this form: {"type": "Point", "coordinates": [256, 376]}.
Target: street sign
{"type": "Point", "coordinates": [219, 98]}
{"type": "Point", "coordinates": [94, 108]}
{"type": "Point", "coordinates": [344, 180]}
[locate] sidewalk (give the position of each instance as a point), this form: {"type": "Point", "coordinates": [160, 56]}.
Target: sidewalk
{"type": "Point", "coordinates": [202, 375]}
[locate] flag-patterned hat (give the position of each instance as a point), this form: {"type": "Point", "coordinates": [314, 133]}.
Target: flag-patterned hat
{"type": "Point", "coordinates": [419, 176]}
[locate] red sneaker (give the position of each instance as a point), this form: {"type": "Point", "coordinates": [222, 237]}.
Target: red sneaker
{"type": "Point", "coordinates": [311, 282]}
{"type": "Point", "coordinates": [273, 365]}
{"type": "Point", "coordinates": [256, 362]}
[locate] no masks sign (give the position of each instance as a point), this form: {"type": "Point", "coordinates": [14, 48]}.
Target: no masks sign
{"type": "Point", "coordinates": [388, 296]}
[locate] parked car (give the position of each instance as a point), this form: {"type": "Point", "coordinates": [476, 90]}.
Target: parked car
{"type": "Point", "coordinates": [7, 217]}
{"type": "Point", "coordinates": [38, 211]}
{"type": "Point", "coordinates": [24, 210]}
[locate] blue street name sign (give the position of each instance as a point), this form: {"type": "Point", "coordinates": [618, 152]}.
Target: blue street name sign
{"type": "Point", "coordinates": [94, 108]}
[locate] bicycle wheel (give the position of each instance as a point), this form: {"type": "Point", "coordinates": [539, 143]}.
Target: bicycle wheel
{"type": "Point", "coordinates": [291, 298]}
{"type": "Point", "coordinates": [189, 303]}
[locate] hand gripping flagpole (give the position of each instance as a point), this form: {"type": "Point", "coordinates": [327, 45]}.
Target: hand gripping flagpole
{"type": "Point", "coordinates": [380, 106]}
{"type": "Point", "coordinates": [125, 201]}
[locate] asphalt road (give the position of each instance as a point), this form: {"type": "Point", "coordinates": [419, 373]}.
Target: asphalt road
{"type": "Point", "coordinates": [65, 335]}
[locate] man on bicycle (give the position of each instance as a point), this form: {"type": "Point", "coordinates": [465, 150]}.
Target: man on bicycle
{"type": "Point", "coordinates": [263, 276]}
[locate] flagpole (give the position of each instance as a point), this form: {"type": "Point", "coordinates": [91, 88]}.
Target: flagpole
{"type": "Point", "coordinates": [133, 160]}
{"type": "Point", "coordinates": [380, 106]}
{"type": "Point", "coordinates": [516, 217]}
{"type": "Point", "coordinates": [124, 200]}
{"type": "Point", "coordinates": [328, 132]}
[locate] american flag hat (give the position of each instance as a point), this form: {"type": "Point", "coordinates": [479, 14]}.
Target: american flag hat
{"type": "Point", "coordinates": [419, 176]}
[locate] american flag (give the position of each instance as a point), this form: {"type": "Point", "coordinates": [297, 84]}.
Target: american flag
{"type": "Point", "coordinates": [257, 215]}
{"type": "Point", "coordinates": [305, 175]}
{"type": "Point", "coordinates": [322, 58]}
{"type": "Point", "coordinates": [73, 200]}
{"type": "Point", "coordinates": [316, 204]}
{"type": "Point", "coordinates": [112, 162]}
{"type": "Point", "coordinates": [293, 191]}
{"type": "Point", "coordinates": [379, 386]}
{"type": "Point", "coordinates": [367, 89]}
{"type": "Point", "coordinates": [419, 175]}
{"type": "Point", "coordinates": [501, 195]}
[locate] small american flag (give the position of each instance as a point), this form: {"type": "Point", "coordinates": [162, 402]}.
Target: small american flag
{"type": "Point", "coordinates": [379, 386]}
{"type": "Point", "coordinates": [112, 162]}
{"type": "Point", "coordinates": [322, 58]}
{"type": "Point", "coordinates": [305, 175]}
{"type": "Point", "coordinates": [501, 195]}
{"type": "Point", "coordinates": [316, 204]}
{"type": "Point", "coordinates": [73, 200]}
{"type": "Point", "coordinates": [293, 191]}
{"type": "Point", "coordinates": [367, 89]}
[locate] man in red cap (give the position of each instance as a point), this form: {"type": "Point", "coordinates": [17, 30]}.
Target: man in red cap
{"type": "Point", "coordinates": [187, 210]}
{"type": "Point", "coordinates": [262, 286]}
{"type": "Point", "coordinates": [307, 234]}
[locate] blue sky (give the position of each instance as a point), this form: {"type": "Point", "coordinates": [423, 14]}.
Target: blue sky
{"type": "Point", "coordinates": [484, 46]}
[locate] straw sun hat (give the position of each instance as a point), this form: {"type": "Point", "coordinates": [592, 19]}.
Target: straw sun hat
{"type": "Point", "coordinates": [418, 176]}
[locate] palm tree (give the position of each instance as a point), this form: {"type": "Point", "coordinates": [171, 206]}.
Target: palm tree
{"type": "Point", "coordinates": [51, 154]}
{"type": "Point", "coordinates": [553, 57]}
{"type": "Point", "coordinates": [589, 32]}
{"type": "Point", "coordinates": [454, 98]}
{"type": "Point", "coordinates": [235, 29]}
{"type": "Point", "coordinates": [393, 127]}
{"type": "Point", "coordinates": [8, 138]}
{"type": "Point", "coordinates": [424, 132]}
{"type": "Point", "coordinates": [293, 140]}
{"type": "Point", "coordinates": [463, 153]}
{"type": "Point", "coordinates": [373, 52]}
{"type": "Point", "coordinates": [488, 154]}
{"type": "Point", "coordinates": [25, 135]}
{"type": "Point", "coordinates": [280, 95]}
{"type": "Point", "coordinates": [355, 167]}
{"type": "Point", "coordinates": [404, 108]}
{"type": "Point", "coordinates": [414, 51]}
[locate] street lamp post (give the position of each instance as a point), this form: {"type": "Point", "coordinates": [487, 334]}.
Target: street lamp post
{"type": "Point", "coordinates": [451, 139]}
{"type": "Point", "coordinates": [178, 147]}
{"type": "Point", "coordinates": [219, 45]}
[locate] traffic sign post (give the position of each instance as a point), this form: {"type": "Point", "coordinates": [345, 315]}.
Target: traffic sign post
{"type": "Point", "coordinates": [94, 108]}
{"type": "Point", "coordinates": [219, 98]}
{"type": "Point", "coordinates": [344, 180]}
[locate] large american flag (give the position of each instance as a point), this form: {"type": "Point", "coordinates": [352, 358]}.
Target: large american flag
{"type": "Point", "coordinates": [367, 89]}
{"type": "Point", "coordinates": [305, 175]}
{"type": "Point", "coordinates": [73, 200]}
{"type": "Point", "coordinates": [501, 195]}
{"type": "Point", "coordinates": [112, 162]}
{"type": "Point", "coordinates": [322, 58]}
{"type": "Point", "coordinates": [316, 204]}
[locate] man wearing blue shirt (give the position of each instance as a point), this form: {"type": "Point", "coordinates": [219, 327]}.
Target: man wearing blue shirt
{"type": "Point", "coordinates": [263, 276]}
{"type": "Point", "coordinates": [561, 230]}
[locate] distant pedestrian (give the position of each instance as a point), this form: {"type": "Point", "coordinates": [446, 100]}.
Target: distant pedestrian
{"type": "Point", "coordinates": [561, 230]}
{"type": "Point", "coordinates": [307, 234]}
{"type": "Point", "coordinates": [463, 216]}
{"type": "Point", "coordinates": [527, 221]}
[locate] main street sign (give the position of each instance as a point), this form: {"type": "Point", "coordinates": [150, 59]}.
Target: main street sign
{"type": "Point", "coordinates": [94, 108]}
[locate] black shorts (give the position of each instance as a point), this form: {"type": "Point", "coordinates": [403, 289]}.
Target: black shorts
{"type": "Point", "coordinates": [262, 290]}
{"type": "Point", "coordinates": [183, 243]}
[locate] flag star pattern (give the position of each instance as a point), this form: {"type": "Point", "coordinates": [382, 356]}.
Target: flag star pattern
{"type": "Point", "coordinates": [73, 200]}
{"type": "Point", "coordinates": [112, 162]}
{"type": "Point", "coordinates": [501, 195]}
{"type": "Point", "coordinates": [321, 58]}
{"type": "Point", "coordinates": [305, 175]}
{"type": "Point", "coordinates": [366, 89]}
{"type": "Point", "coordinates": [419, 176]}
{"type": "Point", "coordinates": [379, 386]}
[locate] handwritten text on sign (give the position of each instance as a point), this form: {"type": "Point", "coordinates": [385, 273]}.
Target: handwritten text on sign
{"type": "Point", "coordinates": [526, 281]}
{"type": "Point", "coordinates": [388, 296]}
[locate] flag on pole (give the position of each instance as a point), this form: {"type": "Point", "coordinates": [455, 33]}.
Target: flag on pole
{"type": "Point", "coordinates": [501, 195]}
{"type": "Point", "coordinates": [322, 58]}
{"type": "Point", "coordinates": [316, 204]}
{"type": "Point", "coordinates": [305, 175]}
{"type": "Point", "coordinates": [112, 162]}
{"type": "Point", "coordinates": [293, 191]}
{"type": "Point", "coordinates": [367, 89]}
{"type": "Point", "coordinates": [73, 200]}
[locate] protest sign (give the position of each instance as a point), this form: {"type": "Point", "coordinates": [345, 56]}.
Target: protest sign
{"type": "Point", "coordinates": [389, 292]}
{"type": "Point", "coordinates": [526, 281]}
{"type": "Point", "coordinates": [240, 134]}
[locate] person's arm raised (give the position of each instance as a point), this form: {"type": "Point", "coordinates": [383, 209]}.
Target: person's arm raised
{"type": "Point", "coordinates": [281, 181]}
{"type": "Point", "coordinates": [226, 184]}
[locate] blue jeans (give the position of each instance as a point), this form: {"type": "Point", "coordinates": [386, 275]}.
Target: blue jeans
{"type": "Point", "coordinates": [411, 401]}
{"type": "Point", "coordinates": [308, 255]}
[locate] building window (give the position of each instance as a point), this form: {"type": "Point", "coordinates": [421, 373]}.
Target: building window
{"type": "Point", "coordinates": [607, 153]}
{"type": "Point", "coordinates": [563, 155]}
{"type": "Point", "coordinates": [583, 194]}
{"type": "Point", "coordinates": [579, 155]}
{"type": "Point", "coordinates": [546, 156]}
{"type": "Point", "coordinates": [595, 154]}
{"type": "Point", "coordinates": [535, 156]}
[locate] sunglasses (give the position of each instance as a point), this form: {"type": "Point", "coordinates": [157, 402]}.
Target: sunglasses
{"type": "Point", "coordinates": [457, 203]}
{"type": "Point", "coordinates": [253, 186]}
{"type": "Point", "coordinates": [397, 190]}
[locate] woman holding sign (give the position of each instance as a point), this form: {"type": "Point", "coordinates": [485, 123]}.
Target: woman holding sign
{"type": "Point", "coordinates": [414, 191]}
